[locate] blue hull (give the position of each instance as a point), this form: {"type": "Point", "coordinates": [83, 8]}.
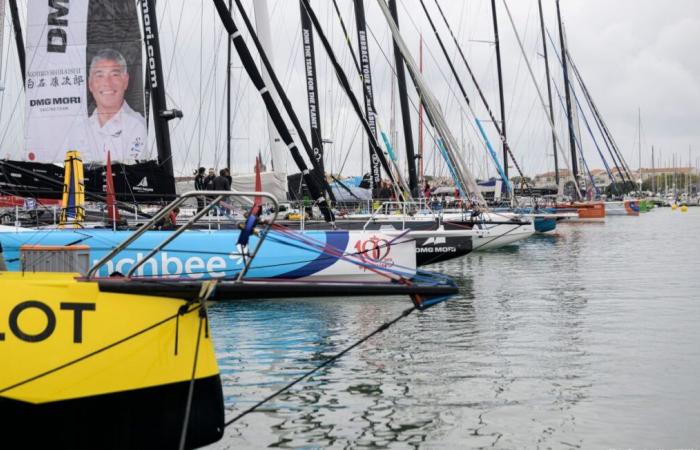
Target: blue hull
{"type": "Point", "coordinates": [198, 254]}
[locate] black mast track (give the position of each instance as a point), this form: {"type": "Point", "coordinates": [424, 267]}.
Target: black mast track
{"type": "Point", "coordinates": [228, 97]}
{"type": "Point", "coordinates": [272, 110]}
{"type": "Point", "coordinates": [19, 40]}
{"type": "Point", "coordinates": [317, 173]}
{"type": "Point", "coordinates": [500, 130]}
{"type": "Point", "coordinates": [161, 114]}
{"type": "Point", "coordinates": [569, 117]}
{"type": "Point", "coordinates": [405, 110]}
{"type": "Point", "coordinates": [366, 77]}
{"type": "Point", "coordinates": [500, 86]}
{"type": "Point", "coordinates": [549, 93]}
{"type": "Point", "coordinates": [343, 79]}
{"type": "Point", "coordinates": [307, 39]}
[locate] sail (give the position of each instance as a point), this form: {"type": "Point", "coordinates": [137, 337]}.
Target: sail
{"type": "Point", "coordinates": [262, 23]}
{"type": "Point", "coordinates": [85, 92]}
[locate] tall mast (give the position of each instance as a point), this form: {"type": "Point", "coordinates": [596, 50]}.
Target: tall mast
{"type": "Point", "coordinates": [446, 142]}
{"type": "Point", "coordinates": [256, 78]}
{"type": "Point", "coordinates": [228, 95]}
{"type": "Point", "coordinates": [405, 111]}
{"type": "Point", "coordinates": [301, 165]}
{"type": "Point", "coordinates": [395, 178]}
{"type": "Point", "coordinates": [653, 172]}
{"type": "Point", "coordinates": [19, 41]}
{"type": "Point", "coordinates": [262, 26]}
{"type": "Point", "coordinates": [161, 114]}
{"type": "Point", "coordinates": [569, 117]}
{"type": "Point", "coordinates": [639, 144]}
{"type": "Point", "coordinates": [2, 34]}
{"type": "Point", "coordinates": [500, 87]}
{"type": "Point", "coordinates": [421, 174]}
{"type": "Point", "coordinates": [307, 39]}
{"type": "Point", "coordinates": [549, 93]}
{"type": "Point", "coordinates": [363, 51]}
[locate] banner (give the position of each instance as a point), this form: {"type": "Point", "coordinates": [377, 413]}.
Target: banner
{"type": "Point", "coordinates": [84, 86]}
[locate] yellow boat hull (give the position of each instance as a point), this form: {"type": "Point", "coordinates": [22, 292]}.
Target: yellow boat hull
{"type": "Point", "coordinates": [90, 369]}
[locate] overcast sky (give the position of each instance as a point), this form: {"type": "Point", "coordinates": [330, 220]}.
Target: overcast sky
{"type": "Point", "coordinates": [633, 54]}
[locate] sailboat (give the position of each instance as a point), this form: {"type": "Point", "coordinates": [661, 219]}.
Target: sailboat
{"type": "Point", "coordinates": [296, 256]}
{"type": "Point", "coordinates": [128, 361]}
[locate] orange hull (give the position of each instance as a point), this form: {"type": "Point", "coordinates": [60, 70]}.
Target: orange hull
{"type": "Point", "coordinates": [586, 210]}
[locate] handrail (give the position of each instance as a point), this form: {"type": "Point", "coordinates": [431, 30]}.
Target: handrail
{"type": "Point", "coordinates": [220, 195]}
{"type": "Point", "coordinates": [403, 205]}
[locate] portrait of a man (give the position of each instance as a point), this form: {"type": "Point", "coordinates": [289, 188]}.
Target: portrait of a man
{"type": "Point", "coordinates": [113, 125]}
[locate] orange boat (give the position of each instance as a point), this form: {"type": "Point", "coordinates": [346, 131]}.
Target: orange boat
{"type": "Point", "coordinates": [589, 211]}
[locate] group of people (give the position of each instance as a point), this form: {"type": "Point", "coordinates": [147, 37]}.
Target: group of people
{"type": "Point", "coordinates": [211, 182]}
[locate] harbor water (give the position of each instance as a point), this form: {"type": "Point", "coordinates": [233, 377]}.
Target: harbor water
{"type": "Point", "coordinates": [585, 338]}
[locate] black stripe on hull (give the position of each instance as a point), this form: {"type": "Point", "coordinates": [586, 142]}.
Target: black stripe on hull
{"type": "Point", "coordinates": [143, 418]}
{"type": "Point", "coordinates": [434, 252]}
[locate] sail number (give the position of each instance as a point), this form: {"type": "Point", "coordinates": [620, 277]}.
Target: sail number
{"type": "Point", "coordinates": [42, 308]}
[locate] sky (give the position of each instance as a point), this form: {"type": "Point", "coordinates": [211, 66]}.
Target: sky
{"type": "Point", "coordinates": [637, 57]}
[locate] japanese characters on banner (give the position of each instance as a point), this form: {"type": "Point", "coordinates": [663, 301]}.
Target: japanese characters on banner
{"type": "Point", "coordinates": [84, 83]}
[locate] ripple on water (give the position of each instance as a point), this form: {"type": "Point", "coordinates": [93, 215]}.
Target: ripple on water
{"type": "Point", "coordinates": [585, 338]}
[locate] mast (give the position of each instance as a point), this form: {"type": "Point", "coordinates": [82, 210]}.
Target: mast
{"type": "Point", "coordinates": [549, 93]}
{"type": "Point", "coordinates": [639, 144]}
{"type": "Point", "coordinates": [161, 114]}
{"type": "Point", "coordinates": [572, 137]}
{"type": "Point", "coordinates": [2, 35]}
{"type": "Point", "coordinates": [272, 109]}
{"type": "Point", "coordinates": [500, 88]}
{"type": "Point", "coordinates": [405, 110]}
{"type": "Point", "coordinates": [262, 26]}
{"type": "Point", "coordinates": [421, 174]}
{"type": "Point", "coordinates": [446, 142]}
{"type": "Point", "coordinates": [363, 51]}
{"type": "Point", "coordinates": [322, 183]}
{"type": "Point", "coordinates": [345, 84]}
{"type": "Point", "coordinates": [312, 92]}
{"type": "Point", "coordinates": [653, 172]}
{"type": "Point", "coordinates": [228, 96]}
{"type": "Point", "coordinates": [19, 40]}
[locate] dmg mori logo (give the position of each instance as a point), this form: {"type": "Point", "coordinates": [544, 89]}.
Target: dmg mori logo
{"type": "Point", "coordinates": [149, 37]}
{"type": "Point", "coordinates": [56, 36]}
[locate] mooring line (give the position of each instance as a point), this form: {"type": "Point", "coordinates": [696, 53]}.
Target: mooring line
{"type": "Point", "coordinates": [327, 362]}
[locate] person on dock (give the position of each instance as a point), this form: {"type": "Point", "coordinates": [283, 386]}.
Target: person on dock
{"type": "Point", "coordinates": [221, 183]}
{"type": "Point", "coordinates": [199, 185]}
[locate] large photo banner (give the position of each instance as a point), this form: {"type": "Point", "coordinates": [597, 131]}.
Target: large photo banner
{"type": "Point", "coordinates": [84, 84]}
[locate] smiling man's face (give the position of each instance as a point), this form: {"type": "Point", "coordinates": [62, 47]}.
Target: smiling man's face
{"type": "Point", "coordinates": [107, 83]}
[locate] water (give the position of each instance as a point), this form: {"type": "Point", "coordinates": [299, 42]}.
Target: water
{"type": "Point", "coordinates": [586, 338]}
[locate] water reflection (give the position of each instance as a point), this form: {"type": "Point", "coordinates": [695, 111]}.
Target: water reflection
{"type": "Point", "coordinates": [563, 341]}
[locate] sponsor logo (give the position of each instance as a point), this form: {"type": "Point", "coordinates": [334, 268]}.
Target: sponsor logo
{"type": "Point", "coordinates": [23, 333]}
{"type": "Point", "coordinates": [164, 264]}
{"type": "Point", "coordinates": [56, 36]}
{"type": "Point", "coordinates": [149, 38]}
{"type": "Point", "coordinates": [375, 251]}
{"type": "Point", "coordinates": [54, 101]}
{"type": "Point", "coordinates": [434, 241]}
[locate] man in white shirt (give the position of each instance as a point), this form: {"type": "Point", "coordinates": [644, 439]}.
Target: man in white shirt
{"type": "Point", "coordinates": [113, 126]}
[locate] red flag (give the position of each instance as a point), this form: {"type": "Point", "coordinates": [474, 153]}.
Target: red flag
{"type": "Point", "coordinates": [112, 211]}
{"type": "Point", "coordinates": [258, 184]}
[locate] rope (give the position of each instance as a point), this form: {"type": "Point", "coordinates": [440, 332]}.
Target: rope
{"type": "Point", "coordinates": [327, 362]}
{"type": "Point", "coordinates": [190, 391]}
